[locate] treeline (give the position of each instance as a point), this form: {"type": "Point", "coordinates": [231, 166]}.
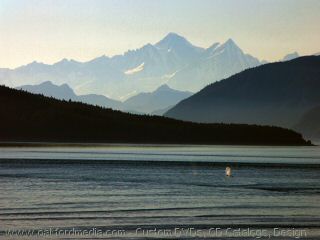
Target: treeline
{"type": "Point", "coordinates": [30, 117]}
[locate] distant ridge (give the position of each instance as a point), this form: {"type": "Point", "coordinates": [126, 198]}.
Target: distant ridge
{"type": "Point", "coordinates": [291, 56]}
{"type": "Point", "coordinates": [64, 92]}
{"type": "Point", "coordinates": [49, 89]}
{"type": "Point", "coordinates": [162, 98]}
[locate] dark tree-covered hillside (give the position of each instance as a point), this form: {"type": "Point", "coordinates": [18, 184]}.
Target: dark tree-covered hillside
{"type": "Point", "coordinates": [309, 124]}
{"type": "Point", "coordinates": [30, 117]}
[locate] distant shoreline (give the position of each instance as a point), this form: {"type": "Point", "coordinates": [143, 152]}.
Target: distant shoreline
{"type": "Point", "coordinates": [105, 144]}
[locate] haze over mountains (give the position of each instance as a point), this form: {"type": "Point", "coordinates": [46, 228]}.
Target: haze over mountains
{"type": "Point", "coordinates": [272, 94]}
{"type": "Point", "coordinates": [173, 61]}
{"type": "Point", "coordinates": [155, 102]}
{"type": "Point", "coordinates": [162, 98]}
{"type": "Point", "coordinates": [64, 92]}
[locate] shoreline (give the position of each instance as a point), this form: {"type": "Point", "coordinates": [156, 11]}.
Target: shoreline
{"type": "Point", "coordinates": [105, 144]}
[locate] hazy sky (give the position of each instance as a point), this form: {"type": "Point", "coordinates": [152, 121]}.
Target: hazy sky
{"type": "Point", "coordinates": [49, 30]}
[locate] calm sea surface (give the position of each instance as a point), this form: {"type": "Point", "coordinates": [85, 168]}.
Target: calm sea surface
{"type": "Point", "coordinates": [146, 192]}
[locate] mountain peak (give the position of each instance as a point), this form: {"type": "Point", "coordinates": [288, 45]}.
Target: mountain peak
{"type": "Point", "coordinates": [291, 56]}
{"type": "Point", "coordinates": [49, 84]}
{"type": "Point", "coordinates": [35, 63]}
{"type": "Point", "coordinates": [46, 83]}
{"type": "Point", "coordinates": [101, 59]}
{"type": "Point", "coordinates": [66, 61]}
{"type": "Point", "coordinates": [229, 46]}
{"type": "Point", "coordinates": [50, 89]}
{"type": "Point", "coordinates": [147, 46]}
{"type": "Point", "coordinates": [230, 43]}
{"type": "Point", "coordinates": [163, 87]}
{"type": "Point", "coordinates": [173, 36]}
{"type": "Point", "coordinates": [66, 86]}
{"type": "Point", "coordinates": [173, 40]}
{"type": "Point", "coordinates": [63, 61]}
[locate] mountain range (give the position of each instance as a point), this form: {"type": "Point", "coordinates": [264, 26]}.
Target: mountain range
{"type": "Point", "coordinates": [173, 61]}
{"type": "Point", "coordinates": [155, 102]}
{"type": "Point", "coordinates": [272, 94]}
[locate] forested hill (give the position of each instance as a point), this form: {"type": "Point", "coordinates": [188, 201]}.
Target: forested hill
{"type": "Point", "coordinates": [275, 94]}
{"type": "Point", "coordinates": [309, 124]}
{"type": "Point", "coordinates": [30, 117]}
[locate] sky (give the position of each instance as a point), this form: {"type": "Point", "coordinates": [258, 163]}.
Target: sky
{"type": "Point", "coordinates": [50, 30]}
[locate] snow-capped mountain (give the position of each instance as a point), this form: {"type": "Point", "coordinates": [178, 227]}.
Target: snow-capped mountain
{"type": "Point", "coordinates": [179, 50]}
{"type": "Point", "coordinates": [173, 61]}
{"type": "Point", "coordinates": [218, 62]}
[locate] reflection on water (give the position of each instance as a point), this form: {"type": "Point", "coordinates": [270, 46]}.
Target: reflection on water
{"type": "Point", "coordinates": [130, 196]}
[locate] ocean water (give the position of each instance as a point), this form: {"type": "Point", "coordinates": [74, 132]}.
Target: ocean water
{"type": "Point", "coordinates": [159, 192]}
